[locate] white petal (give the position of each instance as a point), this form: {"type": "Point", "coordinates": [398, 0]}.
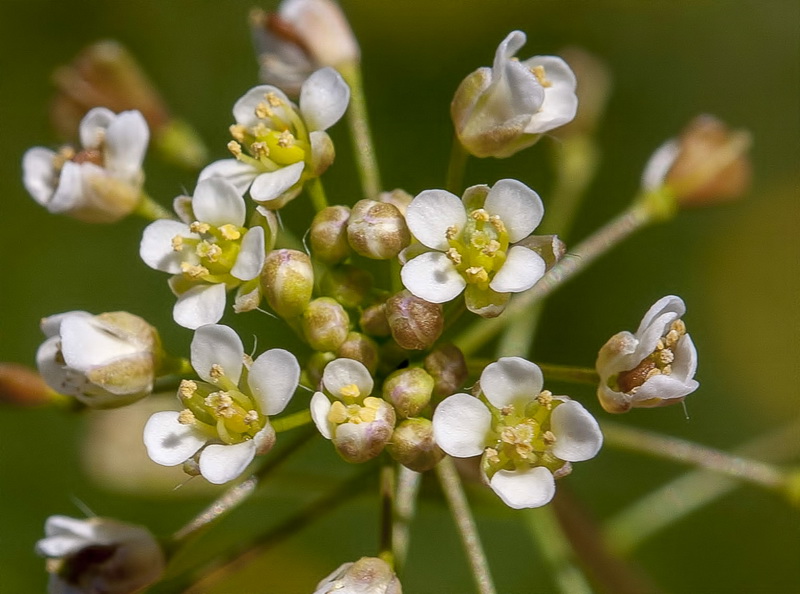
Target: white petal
{"type": "Point", "coordinates": [216, 201]}
{"type": "Point", "coordinates": [524, 488]}
{"type": "Point", "coordinates": [244, 110]}
{"type": "Point", "coordinates": [323, 99]}
{"type": "Point", "coordinates": [346, 372]}
{"type": "Point", "coordinates": [69, 194]}
{"type": "Point", "coordinates": [685, 364]}
{"type": "Point", "coordinates": [126, 143]}
{"type": "Point", "coordinates": [156, 245]}
{"type": "Point", "coordinates": [519, 207]}
{"type": "Point", "coordinates": [560, 101]}
{"type": "Point", "coordinates": [251, 256]}
{"type": "Point", "coordinates": [461, 424]}
{"type": "Point", "coordinates": [241, 175]}
{"type": "Point", "coordinates": [522, 269]}
{"type": "Point", "coordinates": [433, 277]}
{"type": "Point", "coordinates": [168, 442]}
{"type": "Point", "coordinates": [659, 164]}
{"type": "Point", "coordinates": [666, 305]}
{"type": "Point", "coordinates": [56, 375]}
{"type": "Point", "coordinates": [51, 325]}
{"type": "Point", "coordinates": [511, 380]}
{"type": "Point", "coordinates": [273, 379]}
{"type": "Point", "coordinates": [66, 526]}
{"type": "Point", "coordinates": [431, 213]}
{"type": "Point", "coordinates": [661, 388]}
{"type": "Point", "coordinates": [94, 125]}
{"type": "Point", "coordinates": [320, 407]}
{"type": "Point", "coordinates": [200, 305]}
{"type": "Point", "coordinates": [85, 344]}
{"type": "Point", "coordinates": [512, 43]}
{"type": "Point", "coordinates": [215, 344]}
{"type": "Point", "coordinates": [38, 174]}
{"type": "Point", "coordinates": [578, 436]}
{"type": "Point", "coordinates": [269, 186]}
{"type": "Point", "coordinates": [222, 463]}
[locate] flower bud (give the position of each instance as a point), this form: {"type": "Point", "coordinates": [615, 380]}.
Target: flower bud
{"type": "Point", "coordinates": [413, 445]}
{"type": "Point", "coordinates": [348, 284]}
{"type": "Point", "coordinates": [368, 575]}
{"type": "Point", "coordinates": [549, 247]}
{"type": "Point", "coordinates": [377, 230]}
{"type": "Point", "coordinates": [447, 366]}
{"type": "Point", "coordinates": [364, 440]}
{"type": "Point", "coordinates": [287, 281]}
{"type": "Point", "coordinates": [325, 324]}
{"type": "Point", "coordinates": [361, 348]}
{"type": "Point", "coordinates": [416, 324]}
{"type": "Point", "coordinates": [706, 164]}
{"type": "Point", "coordinates": [373, 321]}
{"type": "Point", "coordinates": [328, 234]}
{"type": "Point", "coordinates": [104, 361]}
{"type": "Point", "coordinates": [408, 390]}
{"type": "Point", "coordinates": [315, 365]}
{"type": "Point", "coordinates": [400, 199]}
{"type": "Point", "coordinates": [22, 386]}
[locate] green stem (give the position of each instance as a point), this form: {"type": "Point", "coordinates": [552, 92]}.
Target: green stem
{"type": "Point", "coordinates": [357, 118]}
{"type": "Point", "coordinates": [149, 209]}
{"type": "Point", "coordinates": [456, 167]}
{"type": "Point", "coordinates": [569, 374]}
{"type": "Point", "coordinates": [459, 507]}
{"type": "Point", "coordinates": [291, 421]}
{"type": "Point", "coordinates": [408, 483]}
{"type": "Point", "coordinates": [387, 495]}
{"type": "Point", "coordinates": [317, 194]}
{"type": "Point", "coordinates": [517, 339]}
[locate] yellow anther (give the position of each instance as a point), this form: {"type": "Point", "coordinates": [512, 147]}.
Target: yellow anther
{"type": "Point", "coordinates": [177, 243]}
{"type": "Point", "coordinates": [198, 227]}
{"type": "Point", "coordinates": [491, 456]}
{"type": "Point", "coordinates": [652, 373]}
{"type": "Point", "coordinates": [273, 99]}
{"type": "Point", "coordinates": [679, 327]}
{"type": "Point", "coordinates": [451, 232]}
{"type": "Point", "coordinates": [235, 148]}
{"type": "Point", "coordinates": [454, 256]}
{"type": "Point", "coordinates": [338, 413]}
{"type": "Point", "coordinates": [259, 150]}
{"type": "Point", "coordinates": [660, 346]}
{"type": "Point", "coordinates": [350, 392]}
{"type": "Point", "coordinates": [372, 402]}
{"type": "Point", "coordinates": [216, 371]}
{"type": "Point", "coordinates": [480, 215]}
{"type": "Point", "coordinates": [545, 399]}
{"type": "Point", "coordinates": [230, 232]}
{"type": "Point", "coordinates": [186, 389]}
{"type": "Point", "coordinates": [186, 417]}
{"type": "Point", "coordinates": [548, 438]}
{"type": "Point", "coordinates": [497, 223]}
{"type": "Point", "coordinates": [477, 274]}
{"type": "Point", "coordinates": [507, 410]}
{"type": "Point", "coordinates": [491, 248]}
{"type": "Point", "coordinates": [666, 370]}
{"type": "Point", "coordinates": [665, 357]}
{"type": "Point", "coordinates": [237, 132]}
{"type": "Point", "coordinates": [538, 72]}
{"type": "Point", "coordinates": [263, 111]}
{"type": "Point", "coordinates": [64, 154]}
{"type": "Point", "coordinates": [366, 415]}
{"type": "Point", "coordinates": [286, 139]}
{"type": "Point", "coordinates": [251, 417]}
{"type": "Point", "coordinates": [210, 251]}
{"type": "Point", "coordinates": [193, 270]}
{"type": "Point", "coordinates": [260, 130]}
{"type": "Point", "coordinates": [672, 338]}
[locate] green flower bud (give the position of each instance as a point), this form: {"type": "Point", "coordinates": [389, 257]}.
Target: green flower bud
{"type": "Point", "coordinates": [325, 324]}
{"type": "Point", "coordinates": [377, 230]}
{"type": "Point", "coordinates": [348, 284]}
{"type": "Point", "coordinates": [447, 366]}
{"type": "Point", "coordinates": [287, 281]}
{"type": "Point", "coordinates": [408, 390]}
{"type": "Point", "coordinates": [361, 348]}
{"type": "Point", "coordinates": [373, 321]}
{"type": "Point", "coordinates": [416, 324]}
{"type": "Point", "coordinates": [412, 445]}
{"type": "Point", "coordinates": [328, 234]}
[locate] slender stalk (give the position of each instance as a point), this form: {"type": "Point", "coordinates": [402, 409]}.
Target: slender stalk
{"type": "Point", "coordinates": [459, 507]}
{"type": "Point", "coordinates": [387, 496]}
{"type": "Point", "coordinates": [456, 167]}
{"type": "Point", "coordinates": [149, 209]}
{"type": "Point", "coordinates": [517, 339]}
{"type": "Point", "coordinates": [567, 373]}
{"type": "Point", "coordinates": [292, 421]}
{"type": "Point", "coordinates": [405, 508]}
{"type": "Point", "coordinates": [316, 192]}
{"type": "Point", "coordinates": [358, 120]}
{"type": "Point", "coordinates": [687, 452]}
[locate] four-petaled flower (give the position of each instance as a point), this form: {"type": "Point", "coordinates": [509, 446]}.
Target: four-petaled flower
{"type": "Point", "coordinates": [653, 367]}
{"type": "Point", "coordinates": [526, 436]}
{"type": "Point", "coordinates": [228, 411]}
{"type": "Point", "coordinates": [472, 242]}
{"type": "Point", "coordinates": [100, 183]}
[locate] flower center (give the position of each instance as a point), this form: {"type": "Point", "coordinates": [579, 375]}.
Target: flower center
{"type": "Point", "coordinates": [217, 249]}
{"type": "Point", "coordinates": [659, 362]}
{"type": "Point", "coordinates": [354, 413]}
{"type": "Point", "coordinates": [480, 249]}
{"type": "Point", "coordinates": [230, 414]}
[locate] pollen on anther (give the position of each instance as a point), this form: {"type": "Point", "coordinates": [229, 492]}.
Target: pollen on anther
{"type": "Point", "coordinates": [187, 388]}
{"type": "Point", "coordinates": [539, 73]}
{"type": "Point", "coordinates": [186, 417]}
{"type": "Point", "coordinates": [273, 99]}
{"type": "Point", "coordinates": [177, 243]}
{"type": "Point", "coordinates": [480, 215]}
{"type": "Point", "coordinates": [237, 132]}
{"type": "Point", "coordinates": [454, 256]}
{"type": "Point", "coordinates": [230, 232]}
{"type": "Point", "coordinates": [286, 139]}
{"type": "Point", "coordinates": [198, 227]}
{"type": "Point", "coordinates": [451, 232]}
{"type": "Point", "coordinates": [350, 392]}
{"type": "Point", "coordinates": [193, 270]}
{"type": "Point", "coordinates": [497, 223]}
{"type": "Point", "coordinates": [235, 148]}
{"type": "Point", "coordinates": [216, 371]}
{"type": "Point", "coordinates": [263, 111]}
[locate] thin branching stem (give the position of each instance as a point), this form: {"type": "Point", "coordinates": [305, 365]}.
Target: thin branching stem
{"type": "Point", "coordinates": [456, 167]}
{"type": "Point", "coordinates": [387, 502]}
{"type": "Point", "coordinates": [316, 191]}
{"type": "Point", "coordinates": [149, 209]}
{"type": "Point", "coordinates": [405, 508]}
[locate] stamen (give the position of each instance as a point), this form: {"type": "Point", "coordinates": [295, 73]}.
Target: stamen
{"type": "Point", "coordinates": [186, 417]}
{"type": "Point", "coordinates": [338, 413]}
{"type": "Point", "coordinates": [549, 438]}
{"type": "Point", "coordinates": [230, 232]}
{"type": "Point", "coordinates": [193, 270]}
{"type": "Point", "coordinates": [263, 111]}
{"type": "Point", "coordinates": [198, 227]}
{"type": "Point", "coordinates": [454, 256]}
{"type": "Point", "coordinates": [350, 392]}
{"type": "Point", "coordinates": [491, 248]}
{"type": "Point", "coordinates": [177, 243]}
{"type": "Point", "coordinates": [480, 215]}
{"type": "Point", "coordinates": [545, 399]}
{"type": "Point", "coordinates": [259, 150]}
{"type": "Point", "coordinates": [497, 224]}
{"type": "Point", "coordinates": [210, 251]}
{"type": "Point", "coordinates": [477, 274]}
{"type": "Point", "coordinates": [451, 232]}
{"type": "Point", "coordinates": [186, 389]}
{"type": "Point", "coordinates": [216, 371]}
{"type": "Point", "coordinates": [251, 417]}
{"type": "Point", "coordinates": [538, 72]}
{"type": "Point", "coordinates": [285, 139]}
{"type": "Point", "coordinates": [273, 99]}
{"type": "Point", "coordinates": [237, 132]}
{"type": "Point", "coordinates": [235, 148]}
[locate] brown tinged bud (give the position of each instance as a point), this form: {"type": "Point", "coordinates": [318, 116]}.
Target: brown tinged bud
{"type": "Point", "coordinates": [348, 284]}
{"type": "Point", "coordinates": [415, 323]}
{"type": "Point", "coordinates": [399, 198]}
{"type": "Point", "coordinates": [287, 281]}
{"type": "Point", "coordinates": [447, 366]}
{"type": "Point", "coordinates": [364, 440]}
{"type": "Point", "coordinates": [328, 234]}
{"type": "Point", "coordinates": [408, 390]}
{"type": "Point", "coordinates": [22, 386]}
{"type": "Point", "coordinates": [325, 324]}
{"type": "Point", "coordinates": [368, 575]}
{"type": "Point", "coordinates": [377, 230]}
{"type": "Point", "coordinates": [412, 445]}
{"type": "Point", "coordinates": [373, 321]}
{"type": "Point", "coordinates": [361, 348]}
{"type": "Point", "coordinates": [316, 365]}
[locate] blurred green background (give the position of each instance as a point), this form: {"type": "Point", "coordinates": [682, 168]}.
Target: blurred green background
{"type": "Point", "coordinates": [737, 267]}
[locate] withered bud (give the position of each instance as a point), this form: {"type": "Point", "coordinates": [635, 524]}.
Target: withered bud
{"type": "Point", "coordinates": [408, 390]}
{"type": "Point", "coordinates": [325, 324]}
{"type": "Point", "coordinates": [447, 366]}
{"type": "Point", "coordinates": [22, 386]}
{"type": "Point", "coordinates": [328, 234]}
{"type": "Point", "coordinates": [416, 324]}
{"type": "Point", "coordinates": [412, 445]}
{"type": "Point", "coordinates": [361, 348]}
{"type": "Point", "coordinates": [377, 230]}
{"type": "Point", "coordinates": [287, 281]}
{"type": "Point", "coordinates": [397, 197]}
{"type": "Point", "coordinates": [708, 163]}
{"type": "Point", "coordinates": [373, 321]}
{"type": "Point", "coordinates": [368, 575]}
{"type": "Point", "coordinates": [348, 284]}
{"type": "Point", "coordinates": [316, 365]}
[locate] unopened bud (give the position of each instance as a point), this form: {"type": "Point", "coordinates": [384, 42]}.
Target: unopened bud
{"type": "Point", "coordinates": [377, 230]}
{"type": "Point", "coordinates": [287, 281]}
{"type": "Point", "coordinates": [328, 234]}
{"type": "Point", "coordinates": [348, 284]}
{"type": "Point", "coordinates": [368, 575]}
{"type": "Point", "coordinates": [413, 445]}
{"type": "Point", "coordinates": [408, 390]}
{"type": "Point", "coordinates": [361, 348]}
{"type": "Point", "coordinates": [447, 366]}
{"type": "Point", "coordinates": [416, 324]}
{"type": "Point", "coordinates": [400, 199]}
{"type": "Point", "coordinates": [373, 321]}
{"type": "Point", "coordinates": [316, 365]}
{"type": "Point", "coordinates": [22, 386]}
{"type": "Point", "coordinates": [549, 247]}
{"type": "Point", "coordinates": [325, 324]}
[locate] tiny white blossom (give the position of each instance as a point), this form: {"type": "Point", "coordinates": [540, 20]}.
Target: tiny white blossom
{"type": "Point", "coordinates": [653, 367]}
{"type": "Point", "coordinates": [104, 361]}
{"type": "Point", "coordinates": [473, 244]}
{"type": "Point", "coordinates": [501, 110]}
{"type": "Point", "coordinates": [100, 183]}
{"type": "Point", "coordinates": [99, 556]}
{"type": "Point", "coordinates": [226, 420]}
{"type": "Point", "coordinates": [368, 575]}
{"type": "Point", "coordinates": [526, 436]}
{"type": "Point", "coordinates": [209, 253]}
{"type": "Point", "coordinates": [278, 146]}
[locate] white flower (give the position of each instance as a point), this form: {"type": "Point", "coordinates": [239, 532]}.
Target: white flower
{"type": "Point", "coordinates": [368, 575]}
{"type": "Point", "coordinates": [209, 253]}
{"type": "Point", "coordinates": [278, 146]}
{"type": "Point", "coordinates": [104, 361]}
{"type": "Point", "coordinates": [359, 425]}
{"type": "Point", "coordinates": [223, 413]}
{"type": "Point", "coordinates": [526, 435]}
{"type": "Point", "coordinates": [472, 245]}
{"type": "Point", "coordinates": [99, 556]}
{"type": "Point", "coordinates": [99, 184]}
{"type": "Point", "coordinates": [653, 367]}
{"type": "Point", "coordinates": [500, 110]}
